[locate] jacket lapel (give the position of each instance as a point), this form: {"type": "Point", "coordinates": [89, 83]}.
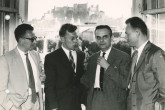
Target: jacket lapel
{"type": "Point", "coordinates": [78, 60]}
{"type": "Point", "coordinates": [111, 56]}
{"type": "Point", "coordinates": [65, 60]}
{"type": "Point", "coordinates": [141, 59]}
{"type": "Point", "coordinates": [18, 61]}
{"type": "Point", "coordinates": [37, 63]}
{"type": "Point", "coordinates": [34, 58]}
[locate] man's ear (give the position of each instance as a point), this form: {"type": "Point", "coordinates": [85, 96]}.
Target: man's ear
{"type": "Point", "coordinates": [138, 32]}
{"type": "Point", "coordinates": [62, 39]}
{"type": "Point", "coordinates": [21, 40]}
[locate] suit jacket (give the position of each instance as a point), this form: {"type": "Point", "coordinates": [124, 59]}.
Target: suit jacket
{"type": "Point", "coordinates": [114, 81]}
{"type": "Point", "coordinates": [13, 81]}
{"type": "Point", "coordinates": [148, 84]}
{"type": "Point", "coordinates": [62, 85]}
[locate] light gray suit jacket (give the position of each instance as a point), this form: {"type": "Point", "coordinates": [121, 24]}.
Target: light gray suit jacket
{"type": "Point", "coordinates": [13, 79]}
{"type": "Point", "coordinates": [148, 84]}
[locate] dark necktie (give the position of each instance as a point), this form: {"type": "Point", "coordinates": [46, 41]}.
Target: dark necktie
{"type": "Point", "coordinates": [71, 60]}
{"type": "Point", "coordinates": [134, 60]}
{"type": "Point", "coordinates": [102, 74]}
{"type": "Point", "coordinates": [31, 79]}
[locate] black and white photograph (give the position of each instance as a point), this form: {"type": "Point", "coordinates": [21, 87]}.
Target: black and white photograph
{"type": "Point", "coordinates": [82, 55]}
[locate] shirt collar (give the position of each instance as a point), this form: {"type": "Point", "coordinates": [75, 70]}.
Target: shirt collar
{"type": "Point", "coordinates": [107, 52]}
{"type": "Point", "coordinates": [67, 51]}
{"type": "Point", "coordinates": [21, 52]}
{"type": "Point", "coordinates": [140, 49]}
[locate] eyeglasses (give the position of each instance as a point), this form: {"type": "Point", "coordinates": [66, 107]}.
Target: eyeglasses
{"type": "Point", "coordinates": [32, 39]}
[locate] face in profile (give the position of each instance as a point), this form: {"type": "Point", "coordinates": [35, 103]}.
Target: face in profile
{"type": "Point", "coordinates": [29, 40]}
{"type": "Point", "coordinates": [131, 35]}
{"type": "Point", "coordinates": [103, 38]}
{"type": "Point", "coordinates": [70, 40]}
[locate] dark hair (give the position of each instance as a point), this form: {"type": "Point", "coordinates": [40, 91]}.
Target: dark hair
{"type": "Point", "coordinates": [104, 27]}
{"type": "Point", "coordinates": [67, 27]}
{"type": "Point", "coordinates": [21, 30]}
{"type": "Point", "coordinates": [137, 22]}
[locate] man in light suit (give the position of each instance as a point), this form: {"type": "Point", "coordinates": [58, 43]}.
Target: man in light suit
{"type": "Point", "coordinates": [147, 83]}
{"type": "Point", "coordinates": [63, 69]}
{"type": "Point", "coordinates": [106, 77]}
{"type": "Point", "coordinates": [20, 87]}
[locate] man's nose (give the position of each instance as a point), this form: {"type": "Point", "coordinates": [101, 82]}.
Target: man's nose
{"type": "Point", "coordinates": [76, 40]}
{"type": "Point", "coordinates": [102, 39]}
{"type": "Point", "coordinates": [126, 37]}
{"type": "Point", "coordinates": [34, 41]}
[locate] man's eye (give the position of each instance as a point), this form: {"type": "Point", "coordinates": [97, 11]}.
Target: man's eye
{"type": "Point", "coordinates": [74, 38]}
{"type": "Point", "coordinates": [105, 37]}
{"type": "Point", "coordinates": [98, 38]}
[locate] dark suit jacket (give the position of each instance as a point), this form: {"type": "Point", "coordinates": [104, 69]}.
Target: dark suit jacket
{"type": "Point", "coordinates": [115, 79]}
{"type": "Point", "coordinates": [62, 86]}
{"type": "Point", "coordinates": [148, 83]}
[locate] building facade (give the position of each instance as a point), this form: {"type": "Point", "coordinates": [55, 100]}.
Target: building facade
{"type": "Point", "coordinates": [12, 13]}
{"type": "Point", "coordinates": [153, 13]}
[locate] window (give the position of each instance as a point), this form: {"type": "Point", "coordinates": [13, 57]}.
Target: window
{"type": "Point", "coordinates": [1, 2]}
{"type": "Point", "coordinates": [152, 25]}
{"type": "Point", "coordinates": [161, 3]}
{"type": "Point", "coordinates": [144, 5]}
{"type": "Point", "coordinates": [161, 30]}
{"type": "Point", "coordinates": [7, 3]}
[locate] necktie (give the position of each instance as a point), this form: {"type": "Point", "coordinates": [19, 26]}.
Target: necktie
{"type": "Point", "coordinates": [71, 60]}
{"type": "Point", "coordinates": [102, 74]}
{"type": "Point", "coordinates": [134, 60]}
{"type": "Point", "coordinates": [31, 79]}
{"type": "Point", "coordinates": [133, 65]}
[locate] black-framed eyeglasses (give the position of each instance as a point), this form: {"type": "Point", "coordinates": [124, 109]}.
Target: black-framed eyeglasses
{"type": "Point", "coordinates": [32, 39]}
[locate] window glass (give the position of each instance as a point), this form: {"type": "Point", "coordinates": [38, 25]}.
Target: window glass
{"type": "Point", "coordinates": [151, 23]}
{"type": "Point", "coordinates": [161, 30]}
{"type": "Point", "coordinates": [7, 3]}
{"type": "Point", "coordinates": [161, 3]}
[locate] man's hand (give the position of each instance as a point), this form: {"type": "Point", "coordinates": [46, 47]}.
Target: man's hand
{"type": "Point", "coordinates": [83, 107]}
{"type": "Point", "coordinates": [102, 62]}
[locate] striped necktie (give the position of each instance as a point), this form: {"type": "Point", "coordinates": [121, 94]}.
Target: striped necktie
{"type": "Point", "coordinates": [71, 60]}
{"type": "Point", "coordinates": [134, 60]}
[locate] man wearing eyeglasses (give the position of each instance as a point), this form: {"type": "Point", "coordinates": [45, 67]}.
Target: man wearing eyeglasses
{"type": "Point", "coordinates": [20, 86]}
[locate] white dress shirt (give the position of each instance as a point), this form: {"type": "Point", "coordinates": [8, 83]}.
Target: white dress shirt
{"type": "Point", "coordinates": [74, 54]}
{"type": "Point", "coordinates": [97, 76]}
{"type": "Point", "coordinates": [34, 68]}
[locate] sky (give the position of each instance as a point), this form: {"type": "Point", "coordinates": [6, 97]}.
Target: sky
{"type": "Point", "coordinates": [112, 8]}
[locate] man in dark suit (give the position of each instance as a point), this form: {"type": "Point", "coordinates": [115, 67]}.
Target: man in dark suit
{"type": "Point", "coordinates": [106, 75]}
{"type": "Point", "coordinates": [147, 84]}
{"type": "Point", "coordinates": [63, 69]}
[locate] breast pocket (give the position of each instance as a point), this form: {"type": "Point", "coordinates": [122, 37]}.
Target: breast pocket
{"type": "Point", "coordinates": [149, 77]}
